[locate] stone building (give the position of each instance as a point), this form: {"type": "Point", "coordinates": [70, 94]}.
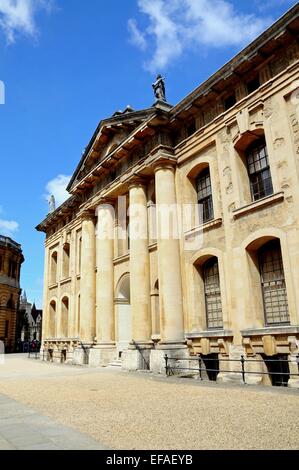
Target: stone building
{"type": "Point", "coordinates": [30, 321]}
{"type": "Point", "coordinates": [228, 285]}
{"type": "Point", "coordinates": [11, 258]}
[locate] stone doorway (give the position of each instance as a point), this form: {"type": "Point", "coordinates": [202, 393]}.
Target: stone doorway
{"type": "Point", "coordinates": [123, 307]}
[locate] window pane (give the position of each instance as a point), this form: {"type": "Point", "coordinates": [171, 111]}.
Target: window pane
{"type": "Point", "coordinates": [259, 171]}
{"type": "Point", "coordinates": [273, 284]}
{"type": "Point", "coordinates": [204, 195]}
{"type": "Point", "coordinates": [212, 294]}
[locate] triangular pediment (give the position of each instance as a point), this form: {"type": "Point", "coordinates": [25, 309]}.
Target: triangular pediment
{"type": "Point", "coordinates": [109, 134]}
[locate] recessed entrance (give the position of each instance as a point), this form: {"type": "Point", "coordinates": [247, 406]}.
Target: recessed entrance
{"type": "Point", "coordinates": [123, 313]}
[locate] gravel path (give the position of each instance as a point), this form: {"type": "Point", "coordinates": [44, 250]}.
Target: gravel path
{"type": "Point", "coordinates": [138, 411]}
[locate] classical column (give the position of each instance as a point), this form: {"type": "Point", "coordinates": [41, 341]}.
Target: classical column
{"type": "Point", "coordinates": [45, 322]}
{"type": "Point", "coordinates": [87, 283]}
{"type": "Point", "coordinates": [72, 274]}
{"type": "Point", "coordinates": [139, 264]}
{"type": "Point", "coordinates": [169, 267]}
{"type": "Point", "coordinates": [104, 350]}
{"type": "Point", "coordinates": [137, 357]}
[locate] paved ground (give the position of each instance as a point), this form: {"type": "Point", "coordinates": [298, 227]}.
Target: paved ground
{"type": "Point", "coordinates": [22, 428]}
{"type": "Point", "coordinates": [137, 411]}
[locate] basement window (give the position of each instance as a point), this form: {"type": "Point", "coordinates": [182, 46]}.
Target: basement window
{"type": "Point", "coordinates": [278, 369]}
{"type": "Point", "coordinates": [211, 363]}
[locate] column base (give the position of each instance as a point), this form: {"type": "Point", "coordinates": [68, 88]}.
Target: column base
{"type": "Point", "coordinates": [235, 376]}
{"type": "Point", "coordinates": [42, 354]}
{"type": "Point", "coordinates": [178, 356]}
{"type": "Point", "coordinates": [102, 354]}
{"type": "Point", "coordinates": [56, 355]}
{"type": "Point", "coordinates": [81, 354]}
{"type": "Point", "coordinates": [293, 383]}
{"type": "Point", "coordinates": [137, 357]}
{"type": "Point", "coordinates": [293, 367]}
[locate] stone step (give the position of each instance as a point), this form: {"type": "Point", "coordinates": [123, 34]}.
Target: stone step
{"type": "Point", "coordinates": [115, 363]}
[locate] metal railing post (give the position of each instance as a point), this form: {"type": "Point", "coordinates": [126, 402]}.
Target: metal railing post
{"type": "Point", "coordinates": [243, 369]}
{"type": "Point", "coordinates": [166, 364]}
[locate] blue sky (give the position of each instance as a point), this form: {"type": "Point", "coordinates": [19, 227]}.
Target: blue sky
{"type": "Point", "coordinates": [66, 64]}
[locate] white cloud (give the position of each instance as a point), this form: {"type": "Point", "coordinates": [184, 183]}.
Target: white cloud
{"type": "Point", "coordinates": [18, 16]}
{"type": "Point", "coordinates": [137, 37]}
{"type": "Point", "coordinates": [57, 187]}
{"type": "Point", "coordinates": [175, 26]}
{"type": "Point", "coordinates": [8, 227]}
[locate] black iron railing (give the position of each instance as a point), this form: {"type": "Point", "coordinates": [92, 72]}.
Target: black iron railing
{"type": "Point", "coordinates": [201, 366]}
{"type": "Point", "coordinates": [146, 363]}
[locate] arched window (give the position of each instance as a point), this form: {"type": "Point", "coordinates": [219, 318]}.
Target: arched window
{"type": "Point", "coordinates": [64, 317]}
{"type": "Point", "coordinates": [52, 320]}
{"type": "Point", "coordinates": [259, 170]}
{"type": "Point", "coordinates": [53, 268]}
{"type": "Point", "coordinates": [204, 195]}
{"type": "Point", "coordinates": [66, 260]}
{"type": "Point", "coordinates": [273, 284]}
{"type": "Point", "coordinates": [12, 269]}
{"type": "Point", "coordinates": [10, 303]}
{"type": "Point", "coordinates": [212, 293]}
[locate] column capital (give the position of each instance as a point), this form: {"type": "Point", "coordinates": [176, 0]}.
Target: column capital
{"type": "Point", "coordinates": [87, 214]}
{"type": "Point", "coordinates": [137, 181]}
{"type": "Point", "coordinates": [164, 163]}
{"type": "Point", "coordinates": [105, 201]}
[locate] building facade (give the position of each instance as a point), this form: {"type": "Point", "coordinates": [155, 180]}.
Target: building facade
{"type": "Point", "coordinates": [223, 163]}
{"type": "Point", "coordinates": [29, 322]}
{"type": "Point", "coordinates": [11, 258]}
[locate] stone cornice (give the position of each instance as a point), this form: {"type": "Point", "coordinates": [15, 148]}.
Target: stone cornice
{"type": "Point", "coordinates": [248, 53]}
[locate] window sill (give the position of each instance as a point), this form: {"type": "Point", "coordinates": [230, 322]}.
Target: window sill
{"type": "Point", "coordinates": [53, 286]}
{"type": "Point", "coordinates": [271, 330]}
{"type": "Point", "coordinates": [211, 334]}
{"type": "Point", "coordinates": [153, 247]}
{"type": "Point", "coordinates": [156, 337]}
{"type": "Point", "coordinates": [122, 258]}
{"type": "Point", "coordinates": [256, 205]}
{"type": "Point", "coordinates": [65, 280]}
{"type": "Point", "coordinates": [211, 224]}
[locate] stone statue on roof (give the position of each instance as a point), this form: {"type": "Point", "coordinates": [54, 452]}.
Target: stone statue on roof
{"type": "Point", "coordinates": [159, 88]}
{"type": "Point", "coordinates": [52, 204]}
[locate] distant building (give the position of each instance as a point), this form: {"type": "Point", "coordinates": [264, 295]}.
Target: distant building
{"type": "Point", "coordinates": [11, 258]}
{"type": "Point", "coordinates": [29, 321]}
